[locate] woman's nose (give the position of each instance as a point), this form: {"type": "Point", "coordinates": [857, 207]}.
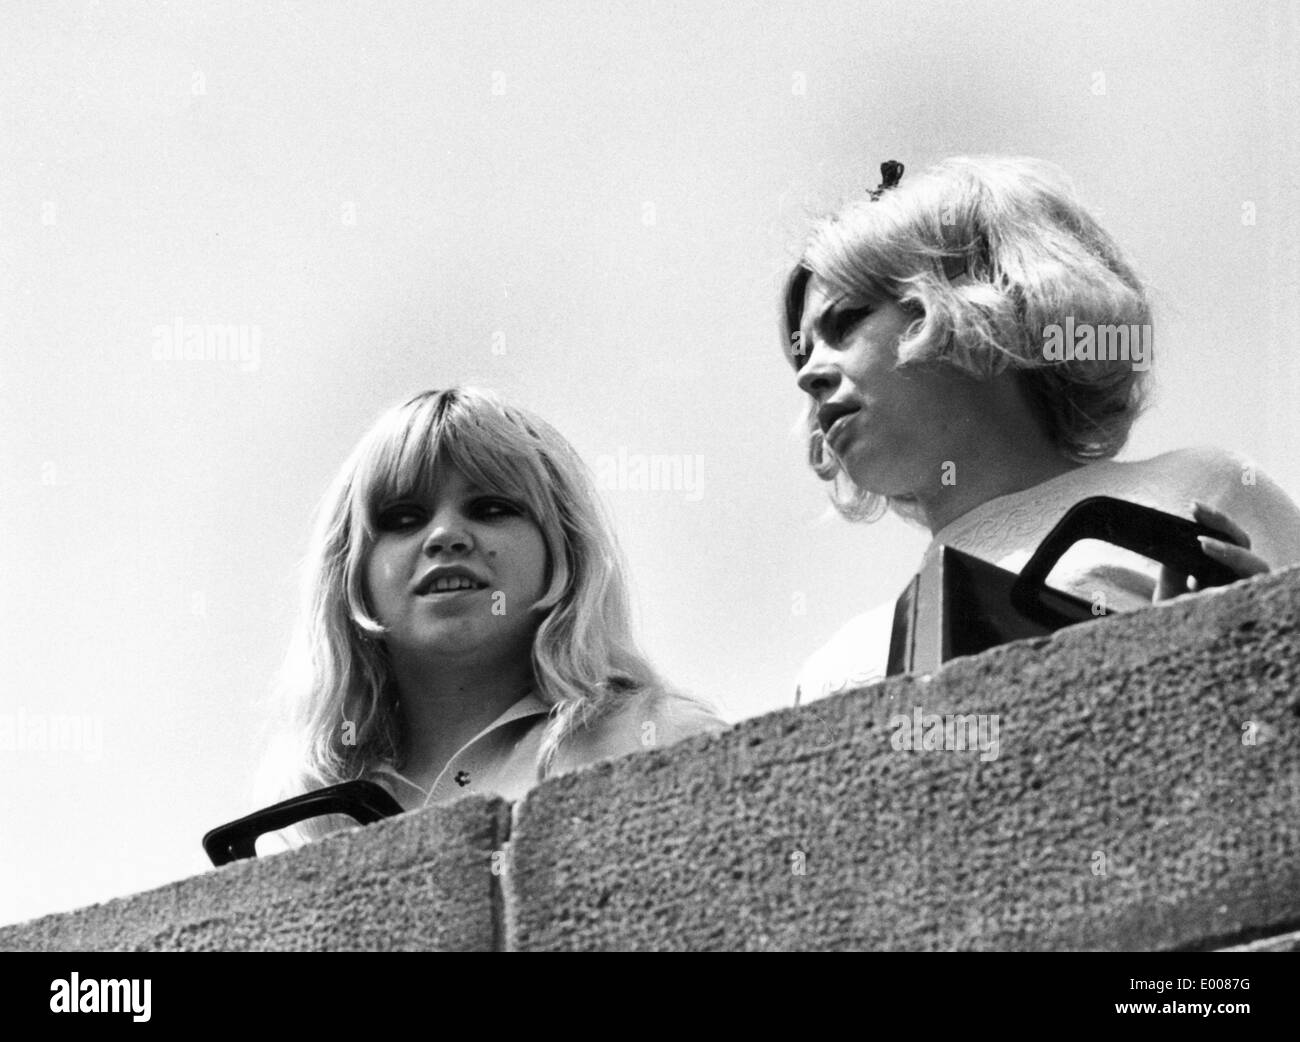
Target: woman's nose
{"type": "Point", "coordinates": [448, 536]}
{"type": "Point", "coordinates": [818, 377]}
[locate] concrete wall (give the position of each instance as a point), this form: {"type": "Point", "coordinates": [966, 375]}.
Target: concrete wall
{"type": "Point", "coordinates": [415, 882]}
{"type": "Point", "coordinates": [1145, 795]}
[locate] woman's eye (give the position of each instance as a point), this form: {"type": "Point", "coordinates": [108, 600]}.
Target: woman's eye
{"type": "Point", "coordinates": [492, 508]}
{"type": "Point", "coordinates": [397, 518]}
{"type": "Point", "coordinates": [842, 322]}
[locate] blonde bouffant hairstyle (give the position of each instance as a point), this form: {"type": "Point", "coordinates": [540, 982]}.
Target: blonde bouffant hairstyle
{"type": "Point", "coordinates": [337, 695]}
{"type": "Point", "coordinates": [986, 252]}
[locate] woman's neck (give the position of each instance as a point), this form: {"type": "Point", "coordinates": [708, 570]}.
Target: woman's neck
{"type": "Point", "coordinates": [1003, 447]}
{"type": "Point", "coordinates": [442, 705]}
{"type": "Point", "coordinates": [1006, 477]}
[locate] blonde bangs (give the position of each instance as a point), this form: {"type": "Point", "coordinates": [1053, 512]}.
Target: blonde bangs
{"type": "Point", "coordinates": [407, 454]}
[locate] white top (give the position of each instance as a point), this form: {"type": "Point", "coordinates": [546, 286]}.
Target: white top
{"type": "Point", "coordinates": [504, 758]}
{"type": "Point", "coordinates": [1007, 530]}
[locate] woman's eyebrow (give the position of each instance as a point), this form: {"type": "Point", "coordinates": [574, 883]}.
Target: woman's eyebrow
{"type": "Point", "coordinates": [829, 311]}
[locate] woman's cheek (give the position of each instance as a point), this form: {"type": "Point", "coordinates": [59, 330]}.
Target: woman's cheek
{"type": "Point", "coordinates": [387, 570]}
{"type": "Point", "coordinates": [381, 574]}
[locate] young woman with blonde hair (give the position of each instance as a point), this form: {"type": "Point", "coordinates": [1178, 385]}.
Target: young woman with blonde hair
{"type": "Point", "coordinates": [466, 626]}
{"type": "Point", "coordinates": [975, 348]}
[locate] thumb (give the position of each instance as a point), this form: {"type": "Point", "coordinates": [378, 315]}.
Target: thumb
{"type": "Point", "coordinates": [1170, 584]}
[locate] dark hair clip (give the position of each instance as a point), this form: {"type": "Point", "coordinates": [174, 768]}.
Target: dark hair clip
{"type": "Point", "coordinates": [891, 172]}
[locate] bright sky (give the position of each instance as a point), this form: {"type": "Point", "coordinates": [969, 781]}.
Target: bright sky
{"type": "Point", "coordinates": [589, 211]}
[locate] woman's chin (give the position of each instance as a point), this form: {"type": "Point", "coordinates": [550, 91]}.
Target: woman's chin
{"type": "Point", "coordinates": [868, 479]}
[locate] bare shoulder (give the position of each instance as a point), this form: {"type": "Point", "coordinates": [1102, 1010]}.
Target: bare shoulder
{"type": "Point", "coordinates": [1217, 477]}
{"type": "Point", "coordinates": [1196, 464]}
{"type": "Point", "coordinates": [1232, 483]}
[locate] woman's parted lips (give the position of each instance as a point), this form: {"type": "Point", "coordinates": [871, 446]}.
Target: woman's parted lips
{"type": "Point", "coordinates": [447, 571]}
{"type": "Point", "coordinates": [832, 411]}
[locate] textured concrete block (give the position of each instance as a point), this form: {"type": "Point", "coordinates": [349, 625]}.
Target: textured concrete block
{"type": "Point", "coordinates": [1145, 795]}
{"type": "Point", "coordinates": [421, 881]}
{"type": "Point", "coordinates": [1287, 942]}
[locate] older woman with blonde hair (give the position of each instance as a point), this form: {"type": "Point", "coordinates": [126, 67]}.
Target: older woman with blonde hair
{"type": "Point", "coordinates": [466, 623]}
{"type": "Point", "coordinates": [974, 348]}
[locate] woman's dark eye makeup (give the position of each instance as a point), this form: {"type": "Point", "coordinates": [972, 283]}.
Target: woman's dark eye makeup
{"type": "Point", "coordinates": [397, 516]}
{"type": "Point", "coordinates": [400, 516]}
{"type": "Point", "coordinates": [839, 322]}
{"type": "Point", "coordinates": [493, 506]}
{"type": "Point", "coordinates": [835, 324]}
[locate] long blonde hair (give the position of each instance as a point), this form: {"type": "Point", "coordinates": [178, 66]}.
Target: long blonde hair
{"type": "Point", "coordinates": [336, 689]}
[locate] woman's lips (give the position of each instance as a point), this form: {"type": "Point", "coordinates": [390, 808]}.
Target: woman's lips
{"type": "Point", "coordinates": [837, 429]}
{"type": "Point", "coordinates": [454, 601]}
{"type": "Point", "coordinates": [452, 593]}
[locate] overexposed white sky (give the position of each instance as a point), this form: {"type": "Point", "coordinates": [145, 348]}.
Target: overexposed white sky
{"type": "Point", "coordinates": [586, 206]}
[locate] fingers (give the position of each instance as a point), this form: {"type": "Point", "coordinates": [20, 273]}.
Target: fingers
{"type": "Point", "coordinates": [1220, 522]}
{"type": "Point", "coordinates": [1239, 559]}
{"type": "Point", "coordinates": [1233, 551]}
{"type": "Point", "coordinates": [1170, 584]}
